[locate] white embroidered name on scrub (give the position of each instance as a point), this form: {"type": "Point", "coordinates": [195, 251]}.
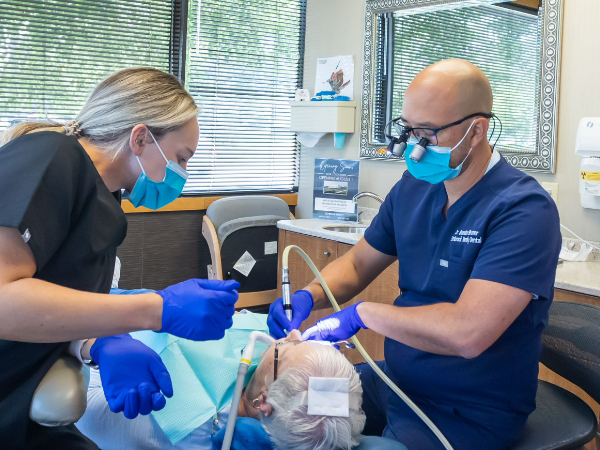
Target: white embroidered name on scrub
{"type": "Point", "coordinates": [466, 237]}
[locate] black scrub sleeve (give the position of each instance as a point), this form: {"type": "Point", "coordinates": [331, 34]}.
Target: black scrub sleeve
{"type": "Point", "coordinates": [42, 189]}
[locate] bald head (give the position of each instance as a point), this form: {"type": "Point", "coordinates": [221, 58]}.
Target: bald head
{"type": "Point", "coordinates": [446, 91]}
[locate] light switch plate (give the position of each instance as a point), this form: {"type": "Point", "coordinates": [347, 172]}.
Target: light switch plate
{"type": "Point", "coordinates": [552, 189]}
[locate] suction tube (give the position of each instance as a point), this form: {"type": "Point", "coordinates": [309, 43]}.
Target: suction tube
{"type": "Point", "coordinates": [239, 384]}
{"type": "Point", "coordinates": [284, 263]}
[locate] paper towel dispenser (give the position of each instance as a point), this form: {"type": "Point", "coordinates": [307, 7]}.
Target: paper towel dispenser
{"type": "Point", "coordinates": [314, 119]}
{"type": "Point", "coordinates": [588, 147]}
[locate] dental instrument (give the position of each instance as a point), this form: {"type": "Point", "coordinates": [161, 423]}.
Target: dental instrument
{"type": "Point", "coordinates": [239, 383]}
{"type": "Point", "coordinates": [348, 345]}
{"type": "Point", "coordinates": [263, 337]}
{"type": "Point", "coordinates": [286, 293]}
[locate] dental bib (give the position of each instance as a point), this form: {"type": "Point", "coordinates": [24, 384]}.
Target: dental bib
{"type": "Point", "coordinates": [203, 373]}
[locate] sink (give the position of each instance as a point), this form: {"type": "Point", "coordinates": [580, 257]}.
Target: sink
{"type": "Point", "coordinates": [356, 229]}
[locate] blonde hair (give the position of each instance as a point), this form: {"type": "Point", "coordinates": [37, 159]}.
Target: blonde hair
{"type": "Point", "coordinates": [138, 95]}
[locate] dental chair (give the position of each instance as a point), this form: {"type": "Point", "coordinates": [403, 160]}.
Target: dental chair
{"type": "Point", "coordinates": [61, 397]}
{"type": "Point", "coordinates": [241, 233]}
{"type": "Point", "coordinates": [571, 348]}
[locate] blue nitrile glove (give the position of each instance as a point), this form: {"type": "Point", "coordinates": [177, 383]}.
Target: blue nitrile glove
{"type": "Point", "coordinates": [248, 435]}
{"type": "Point", "coordinates": [132, 374]}
{"type": "Point", "coordinates": [200, 310]}
{"type": "Point", "coordinates": [338, 326]}
{"type": "Point", "coordinates": [302, 303]}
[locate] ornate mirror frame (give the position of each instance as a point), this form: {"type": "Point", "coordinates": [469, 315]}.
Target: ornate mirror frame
{"type": "Point", "coordinates": [543, 159]}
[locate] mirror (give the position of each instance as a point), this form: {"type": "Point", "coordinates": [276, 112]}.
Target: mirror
{"type": "Point", "coordinates": [515, 43]}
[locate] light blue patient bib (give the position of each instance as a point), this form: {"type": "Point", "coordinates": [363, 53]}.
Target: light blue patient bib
{"type": "Point", "coordinates": [203, 373]}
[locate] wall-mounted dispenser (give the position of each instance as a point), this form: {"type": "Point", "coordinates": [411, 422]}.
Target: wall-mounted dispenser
{"type": "Point", "coordinates": [588, 147]}
{"type": "Point", "coordinates": [318, 118]}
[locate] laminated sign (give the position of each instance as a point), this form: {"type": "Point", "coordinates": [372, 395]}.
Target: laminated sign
{"type": "Point", "coordinates": [336, 183]}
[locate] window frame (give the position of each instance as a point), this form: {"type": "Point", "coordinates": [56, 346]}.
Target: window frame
{"type": "Point", "coordinates": [543, 157]}
{"type": "Point", "coordinates": [180, 66]}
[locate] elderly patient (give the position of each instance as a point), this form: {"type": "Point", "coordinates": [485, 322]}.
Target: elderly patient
{"type": "Point", "coordinates": [203, 377]}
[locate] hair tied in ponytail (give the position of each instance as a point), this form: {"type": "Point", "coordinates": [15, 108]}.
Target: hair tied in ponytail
{"type": "Point", "coordinates": [72, 129]}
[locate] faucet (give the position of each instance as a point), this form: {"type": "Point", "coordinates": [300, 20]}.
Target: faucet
{"type": "Point", "coordinates": [365, 194]}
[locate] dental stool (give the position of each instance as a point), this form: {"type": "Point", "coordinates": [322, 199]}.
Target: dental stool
{"type": "Point", "coordinates": [242, 234]}
{"type": "Point", "coordinates": [571, 348]}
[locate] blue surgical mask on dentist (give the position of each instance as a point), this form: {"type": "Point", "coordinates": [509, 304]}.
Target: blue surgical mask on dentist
{"type": "Point", "coordinates": [156, 194]}
{"type": "Point", "coordinates": [434, 166]}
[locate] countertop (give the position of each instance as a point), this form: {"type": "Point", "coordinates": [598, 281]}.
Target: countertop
{"type": "Point", "coordinates": [314, 227]}
{"type": "Point", "coordinates": [582, 277]}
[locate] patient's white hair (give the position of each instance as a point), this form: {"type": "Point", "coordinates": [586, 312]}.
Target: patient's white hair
{"type": "Point", "coordinates": [292, 428]}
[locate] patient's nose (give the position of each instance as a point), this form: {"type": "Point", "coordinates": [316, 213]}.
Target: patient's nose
{"type": "Point", "coordinates": [294, 335]}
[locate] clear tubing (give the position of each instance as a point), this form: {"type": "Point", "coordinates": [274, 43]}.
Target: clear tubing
{"type": "Point", "coordinates": [365, 355]}
{"type": "Point", "coordinates": [239, 383]}
{"type": "Point", "coordinates": [580, 239]}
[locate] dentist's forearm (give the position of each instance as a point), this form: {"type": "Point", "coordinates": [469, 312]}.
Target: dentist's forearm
{"type": "Point", "coordinates": [33, 310]}
{"type": "Point", "coordinates": [466, 328]}
{"type": "Point", "coordinates": [430, 328]}
{"type": "Point", "coordinates": [343, 287]}
{"type": "Point", "coordinates": [350, 274]}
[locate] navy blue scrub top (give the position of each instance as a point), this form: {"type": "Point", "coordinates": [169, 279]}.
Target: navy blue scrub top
{"type": "Point", "coordinates": [504, 229]}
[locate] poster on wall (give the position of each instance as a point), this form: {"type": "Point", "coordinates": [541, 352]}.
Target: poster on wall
{"type": "Point", "coordinates": [336, 74]}
{"type": "Point", "coordinates": [336, 183]}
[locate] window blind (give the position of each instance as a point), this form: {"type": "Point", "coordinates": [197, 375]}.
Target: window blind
{"type": "Point", "coordinates": [382, 77]}
{"type": "Point", "coordinates": [244, 65]}
{"type": "Point", "coordinates": [53, 52]}
{"type": "Point", "coordinates": [502, 42]}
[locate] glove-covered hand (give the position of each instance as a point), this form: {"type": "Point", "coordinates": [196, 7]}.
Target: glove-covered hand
{"type": "Point", "coordinates": [132, 374]}
{"type": "Point", "coordinates": [338, 326]}
{"type": "Point", "coordinates": [248, 435]}
{"type": "Point", "coordinates": [302, 303]}
{"type": "Point", "coordinates": [200, 310]}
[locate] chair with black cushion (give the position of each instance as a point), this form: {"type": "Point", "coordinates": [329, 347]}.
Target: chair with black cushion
{"type": "Point", "coordinates": [571, 348]}
{"type": "Point", "coordinates": [242, 236]}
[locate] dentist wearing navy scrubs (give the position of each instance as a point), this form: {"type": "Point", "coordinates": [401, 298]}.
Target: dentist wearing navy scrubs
{"type": "Point", "coordinates": [477, 243]}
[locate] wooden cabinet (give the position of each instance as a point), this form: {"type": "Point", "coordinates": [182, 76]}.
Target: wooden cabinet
{"type": "Point", "coordinates": [384, 288]}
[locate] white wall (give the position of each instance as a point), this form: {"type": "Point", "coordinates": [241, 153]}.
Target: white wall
{"type": "Point", "coordinates": [336, 27]}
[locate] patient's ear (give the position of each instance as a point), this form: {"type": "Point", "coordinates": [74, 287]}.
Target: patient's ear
{"type": "Point", "coordinates": [265, 408]}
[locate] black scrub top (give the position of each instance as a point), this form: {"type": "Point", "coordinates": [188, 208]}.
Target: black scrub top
{"type": "Point", "coordinates": [52, 193]}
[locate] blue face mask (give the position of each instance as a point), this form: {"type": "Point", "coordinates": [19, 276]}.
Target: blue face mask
{"type": "Point", "coordinates": [153, 194]}
{"type": "Point", "coordinates": [434, 166]}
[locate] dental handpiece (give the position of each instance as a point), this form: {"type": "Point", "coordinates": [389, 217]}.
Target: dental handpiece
{"type": "Point", "coordinates": [286, 294]}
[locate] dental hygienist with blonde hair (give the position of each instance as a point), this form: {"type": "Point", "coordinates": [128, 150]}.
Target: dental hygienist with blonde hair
{"type": "Point", "coordinates": [60, 225]}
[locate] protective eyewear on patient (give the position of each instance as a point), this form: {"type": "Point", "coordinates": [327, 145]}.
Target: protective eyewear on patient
{"type": "Point", "coordinates": [430, 134]}
{"type": "Point", "coordinates": [276, 358]}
